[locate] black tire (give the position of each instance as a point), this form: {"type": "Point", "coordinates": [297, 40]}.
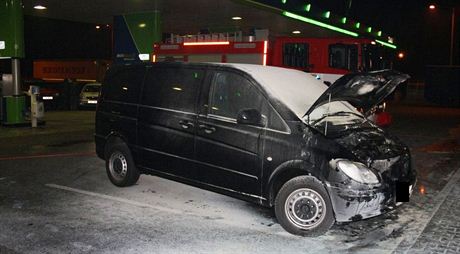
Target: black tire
{"type": "Point", "coordinates": [303, 207]}
{"type": "Point", "coordinates": [120, 166]}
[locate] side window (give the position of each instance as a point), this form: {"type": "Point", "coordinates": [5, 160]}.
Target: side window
{"type": "Point", "coordinates": [172, 88]}
{"type": "Point", "coordinates": [124, 86]}
{"type": "Point", "coordinates": [295, 55]}
{"type": "Point", "coordinates": [343, 56]}
{"type": "Point", "coordinates": [274, 120]}
{"type": "Point", "coordinates": [230, 93]}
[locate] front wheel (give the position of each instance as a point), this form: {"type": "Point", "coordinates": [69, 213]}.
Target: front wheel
{"type": "Point", "coordinates": [303, 207]}
{"type": "Point", "coordinates": [120, 166]}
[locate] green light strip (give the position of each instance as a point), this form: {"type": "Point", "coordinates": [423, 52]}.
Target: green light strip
{"type": "Point", "coordinates": [386, 44]}
{"type": "Point", "coordinates": [327, 14]}
{"type": "Point", "coordinates": [344, 20]}
{"type": "Point", "coordinates": [379, 33]}
{"type": "Point", "coordinates": [317, 23]}
{"type": "Point", "coordinates": [308, 7]}
{"type": "Point", "coordinates": [357, 25]}
{"type": "Point", "coordinates": [369, 29]}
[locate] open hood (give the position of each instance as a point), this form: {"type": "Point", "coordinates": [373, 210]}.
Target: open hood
{"type": "Point", "coordinates": [362, 90]}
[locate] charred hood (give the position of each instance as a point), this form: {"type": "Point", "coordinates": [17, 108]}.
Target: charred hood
{"type": "Point", "coordinates": [363, 90]}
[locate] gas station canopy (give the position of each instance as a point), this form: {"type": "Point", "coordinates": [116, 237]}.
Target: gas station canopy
{"type": "Point", "coordinates": [281, 17]}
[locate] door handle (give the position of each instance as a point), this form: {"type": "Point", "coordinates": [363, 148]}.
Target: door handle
{"type": "Point", "coordinates": [207, 129]}
{"type": "Point", "coordinates": [185, 124]}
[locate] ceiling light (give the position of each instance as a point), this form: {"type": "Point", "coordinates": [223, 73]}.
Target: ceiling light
{"type": "Point", "coordinates": [237, 18]}
{"type": "Point", "coordinates": [39, 7]}
{"type": "Point", "coordinates": [98, 27]}
{"type": "Point", "coordinates": [296, 32]}
{"type": "Point", "coordinates": [142, 25]}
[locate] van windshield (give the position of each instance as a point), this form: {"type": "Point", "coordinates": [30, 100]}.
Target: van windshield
{"type": "Point", "coordinates": [336, 118]}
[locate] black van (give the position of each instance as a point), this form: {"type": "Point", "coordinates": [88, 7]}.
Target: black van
{"type": "Point", "coordinates": [272, 136]}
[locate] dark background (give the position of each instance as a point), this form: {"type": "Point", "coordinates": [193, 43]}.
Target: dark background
{"type": "Point", "coordinates": [422, 34]}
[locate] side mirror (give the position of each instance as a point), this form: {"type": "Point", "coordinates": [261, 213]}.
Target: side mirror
{"type": "Point", "coordinates": [251, 116]}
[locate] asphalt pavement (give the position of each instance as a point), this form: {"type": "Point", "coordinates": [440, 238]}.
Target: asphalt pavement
{"type": "Point", "coordinates": [55, 198]}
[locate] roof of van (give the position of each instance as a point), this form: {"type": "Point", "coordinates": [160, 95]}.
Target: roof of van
{"type": "Point", "coordinates": [296, 89]}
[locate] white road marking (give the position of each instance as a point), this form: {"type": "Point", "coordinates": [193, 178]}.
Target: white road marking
{"type": "Point", "coordinates": [277, 230]}
{"type": "Point", "coordinates": [122, 200]}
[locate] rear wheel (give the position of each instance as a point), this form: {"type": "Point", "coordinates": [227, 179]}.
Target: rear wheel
{"type": "Point", "coordinates": [120, 165]}
{"type": "Point", "coordinates": [303, 207]}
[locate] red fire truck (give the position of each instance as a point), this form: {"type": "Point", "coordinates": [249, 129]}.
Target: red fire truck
{"type": "Point", "coordinates": [327, 58]}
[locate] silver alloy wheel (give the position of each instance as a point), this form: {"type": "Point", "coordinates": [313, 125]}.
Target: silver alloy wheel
{"type": "Point", "coordinates": [305, 208]}
{"type": "Point", "coordinates": [118, 166]}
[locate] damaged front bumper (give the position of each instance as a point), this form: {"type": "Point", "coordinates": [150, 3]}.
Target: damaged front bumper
{"type": "Point", "coordinates": [352, 203]}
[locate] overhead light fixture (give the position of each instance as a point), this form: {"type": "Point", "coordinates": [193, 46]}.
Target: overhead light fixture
{"type": "Point", "coordinates": [209, 43]}
{"type": "Point", "coordinates": [386, 44]}
{"type": "Point", "coordinates": [318, 23]}
{"type": "Point", "coordinates": [308, 7]}
{"type": "Point", "coordinates": [296, 32]}
{"type": "Point", "coordinates": [237, 18]}
{"type": "Point", "coordinates": [39, 7]}
{"type": "Point", "coordinates": [432, 7]}
{"type": "Point", "coordinates": [98, 27]}
{"type": "Point", "coordinates": [142, 25]}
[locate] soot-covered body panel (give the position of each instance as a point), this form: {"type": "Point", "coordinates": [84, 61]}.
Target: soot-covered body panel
{"type": "Point", "coordinates": [386, 156]}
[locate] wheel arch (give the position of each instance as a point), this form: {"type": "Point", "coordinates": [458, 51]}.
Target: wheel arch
{"type": "Point", "coordinates": [284, 172]}
{"type": "Point", "coordinates": [113, 138]}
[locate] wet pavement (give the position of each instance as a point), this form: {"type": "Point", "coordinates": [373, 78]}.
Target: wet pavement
{"type": "Point", "coordinates": [56, 198]}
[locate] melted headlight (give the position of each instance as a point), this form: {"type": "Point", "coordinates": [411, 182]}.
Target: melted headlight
{"type": "Point", "coordinates": [357, 171]}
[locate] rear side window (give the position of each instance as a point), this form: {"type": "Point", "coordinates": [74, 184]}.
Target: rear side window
{"type": "Point", "coordinates": [172, 88]}
{"type": "Point", "coordinates": [124, 85]}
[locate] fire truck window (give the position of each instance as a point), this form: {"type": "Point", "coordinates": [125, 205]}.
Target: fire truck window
{"type": "Point", "coordinates": [230, 93]}
{"type": "Point", "coordinates": [124, 85]}
{"type": "Point", "coordinates": [342, 56]}
{"type": "Point", "coordinates": [172, 88]}
{"type": "Point", "coordinates": [295, 55]}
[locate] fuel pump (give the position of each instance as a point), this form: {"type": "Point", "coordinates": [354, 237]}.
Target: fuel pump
{"type": "Point", "coordinates": [36, 107]}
